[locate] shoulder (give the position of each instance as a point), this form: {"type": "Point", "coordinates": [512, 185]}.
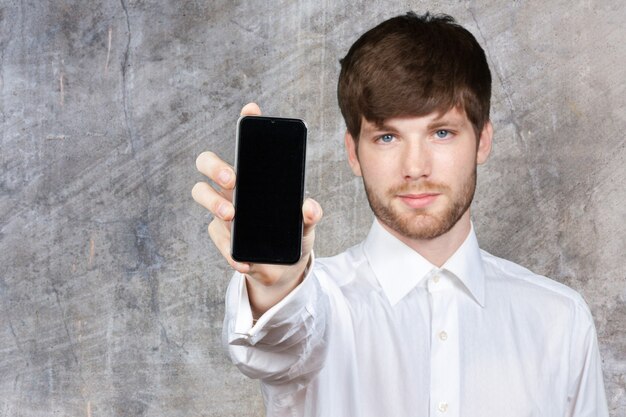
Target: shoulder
{"type": "Point", "coordinates": [519, 285]}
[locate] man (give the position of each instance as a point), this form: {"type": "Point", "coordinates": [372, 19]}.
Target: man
{"type": "Point", "coordinates": [416, 320]}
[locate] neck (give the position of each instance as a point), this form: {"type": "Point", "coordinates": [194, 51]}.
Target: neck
{"type": "Point", "coordinates": [438, 250]}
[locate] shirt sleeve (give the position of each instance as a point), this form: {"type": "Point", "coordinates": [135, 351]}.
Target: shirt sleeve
{"type": "Point", "coordinates": [288, 343]}
{"type": "Point", "coordinates": [586, 395]}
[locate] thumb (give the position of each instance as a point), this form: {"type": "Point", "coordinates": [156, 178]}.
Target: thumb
{"type": "Point", "coordinates": [251, 109]}
{"type": "Point", "coordinates": [312, 214]}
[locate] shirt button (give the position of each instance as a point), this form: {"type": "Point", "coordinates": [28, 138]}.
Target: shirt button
{"type": "Point", "coordinates": [442, 406]}
{"type": "Point", "coordinates": [443, 335]}
{"type": "Point", "coordinates": [436, 279]}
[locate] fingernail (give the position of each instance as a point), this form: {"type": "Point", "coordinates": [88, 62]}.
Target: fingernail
{"type": "Point", "coordinates": [222, 210]}
{"type": "Point", "coordinates": [316, 209]}
{"type": "Point", "coordinates": [224, 176]}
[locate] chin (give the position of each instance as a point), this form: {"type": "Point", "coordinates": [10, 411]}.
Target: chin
{"type": "Point", "coordinates": [423, 226]}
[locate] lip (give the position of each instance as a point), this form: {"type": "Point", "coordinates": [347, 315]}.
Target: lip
{"type": "Point", "coordinates": [418, 200]}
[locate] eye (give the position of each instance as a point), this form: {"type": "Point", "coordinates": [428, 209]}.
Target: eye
{"type": "Point", "coordinates": [442, 134]}
{"type": "Point", "coordinates": [386, 138]}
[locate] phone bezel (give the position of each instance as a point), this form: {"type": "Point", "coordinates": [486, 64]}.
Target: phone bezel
{"type": "Point", "coordinates": [283, 260]}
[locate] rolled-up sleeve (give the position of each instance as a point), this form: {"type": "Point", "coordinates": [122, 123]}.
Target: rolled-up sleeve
{"type": "Point", "coordinates": [288, 343]}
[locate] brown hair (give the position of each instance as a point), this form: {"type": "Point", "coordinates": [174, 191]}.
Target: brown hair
{"type": "Point", "coordinates": [413, 65]}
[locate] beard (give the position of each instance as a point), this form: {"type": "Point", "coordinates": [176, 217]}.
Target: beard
{"type": "Point", "coordinates": [422, 223]}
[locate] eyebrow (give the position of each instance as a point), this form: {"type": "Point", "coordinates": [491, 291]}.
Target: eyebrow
{"type": "Point", "coordinates": [439, 123]}
{"type": "Point", "coordinates": [376, 127]}
{"type": "Point", "coordinates": [447, 120]}
{"type": "Point", "coordinates": [435, 124]}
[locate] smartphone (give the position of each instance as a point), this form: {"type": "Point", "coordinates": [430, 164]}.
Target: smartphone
{"type": "Point", "coordinates": [269, 163]}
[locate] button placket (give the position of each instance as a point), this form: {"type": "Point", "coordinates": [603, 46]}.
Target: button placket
{"type": "Point", "coordinates": [444, 359]}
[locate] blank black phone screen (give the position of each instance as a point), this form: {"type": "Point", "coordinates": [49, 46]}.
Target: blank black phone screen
{"type": "Point", "coordinates": [270, 164]}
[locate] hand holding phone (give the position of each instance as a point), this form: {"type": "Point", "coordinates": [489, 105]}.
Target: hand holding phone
{"type": "Point", "coordinates": [267, 283]}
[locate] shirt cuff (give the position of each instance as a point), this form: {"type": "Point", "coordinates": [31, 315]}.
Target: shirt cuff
{"type": "Point", "coordinates": [246, 331]}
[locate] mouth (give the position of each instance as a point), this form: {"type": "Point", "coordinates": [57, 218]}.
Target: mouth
{"type": "Point", "coordinates": [417, 201]}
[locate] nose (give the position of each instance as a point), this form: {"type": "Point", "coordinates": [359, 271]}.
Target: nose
{"type": "Point", "coordinates": [416, 160]}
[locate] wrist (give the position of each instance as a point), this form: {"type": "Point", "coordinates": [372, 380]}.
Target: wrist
{"type": "Point", "coordinates": [263, 294]}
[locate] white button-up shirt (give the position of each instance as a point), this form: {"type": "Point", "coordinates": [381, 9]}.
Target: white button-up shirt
{"type": "Point", "coordinates": [378, 331]}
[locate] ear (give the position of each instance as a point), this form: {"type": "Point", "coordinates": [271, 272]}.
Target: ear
{"type": "Point", "coordinates": [353, 158]}
{"type": "Point", "coordinates": [484, 143]}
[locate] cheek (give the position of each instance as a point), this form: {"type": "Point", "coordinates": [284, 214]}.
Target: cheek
{"type": "Point", "coordinates": [376, 163]}
{"type": "Point", "coordinates": [380, 170]}
{"type": "Point", "coordinates": [455, 167]}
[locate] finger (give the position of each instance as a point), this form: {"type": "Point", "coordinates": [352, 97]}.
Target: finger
{"type": "Point", "coordinates": [251, 109]}
{"type": "Point", "coordinates": [220, 235]}
{"type": "Point", "coordinates": [312, 213]}
{"type": "Point", "coordinates": [213, 201]}
{"type": "Point", "coordinates": [228, 194]}
{"type": "Point", "coordinates": [217, 170]}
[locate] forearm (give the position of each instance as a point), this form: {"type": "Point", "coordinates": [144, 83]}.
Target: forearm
{"type": "Point", "coordinates": [288, 342]}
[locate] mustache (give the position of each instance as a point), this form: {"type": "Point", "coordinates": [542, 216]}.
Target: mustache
{"type": "Point", "coordinates": [427, 187]}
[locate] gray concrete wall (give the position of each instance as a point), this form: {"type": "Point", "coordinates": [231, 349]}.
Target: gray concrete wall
{"type": "Point", "coordinates": [111, 294]}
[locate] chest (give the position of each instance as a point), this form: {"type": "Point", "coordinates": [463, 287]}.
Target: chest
{"type": "Point", "coordinates": [443, 354]}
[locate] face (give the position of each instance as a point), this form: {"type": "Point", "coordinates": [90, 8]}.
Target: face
{"type": "Point", "coordinates": [420, 172]}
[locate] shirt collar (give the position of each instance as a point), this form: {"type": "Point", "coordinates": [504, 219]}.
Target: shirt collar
{"type": "Point", "coordinates": [399, 269]}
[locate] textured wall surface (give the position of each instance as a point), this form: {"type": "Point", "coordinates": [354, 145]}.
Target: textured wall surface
{"type": "Point", "coordinates": [111, 294]}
